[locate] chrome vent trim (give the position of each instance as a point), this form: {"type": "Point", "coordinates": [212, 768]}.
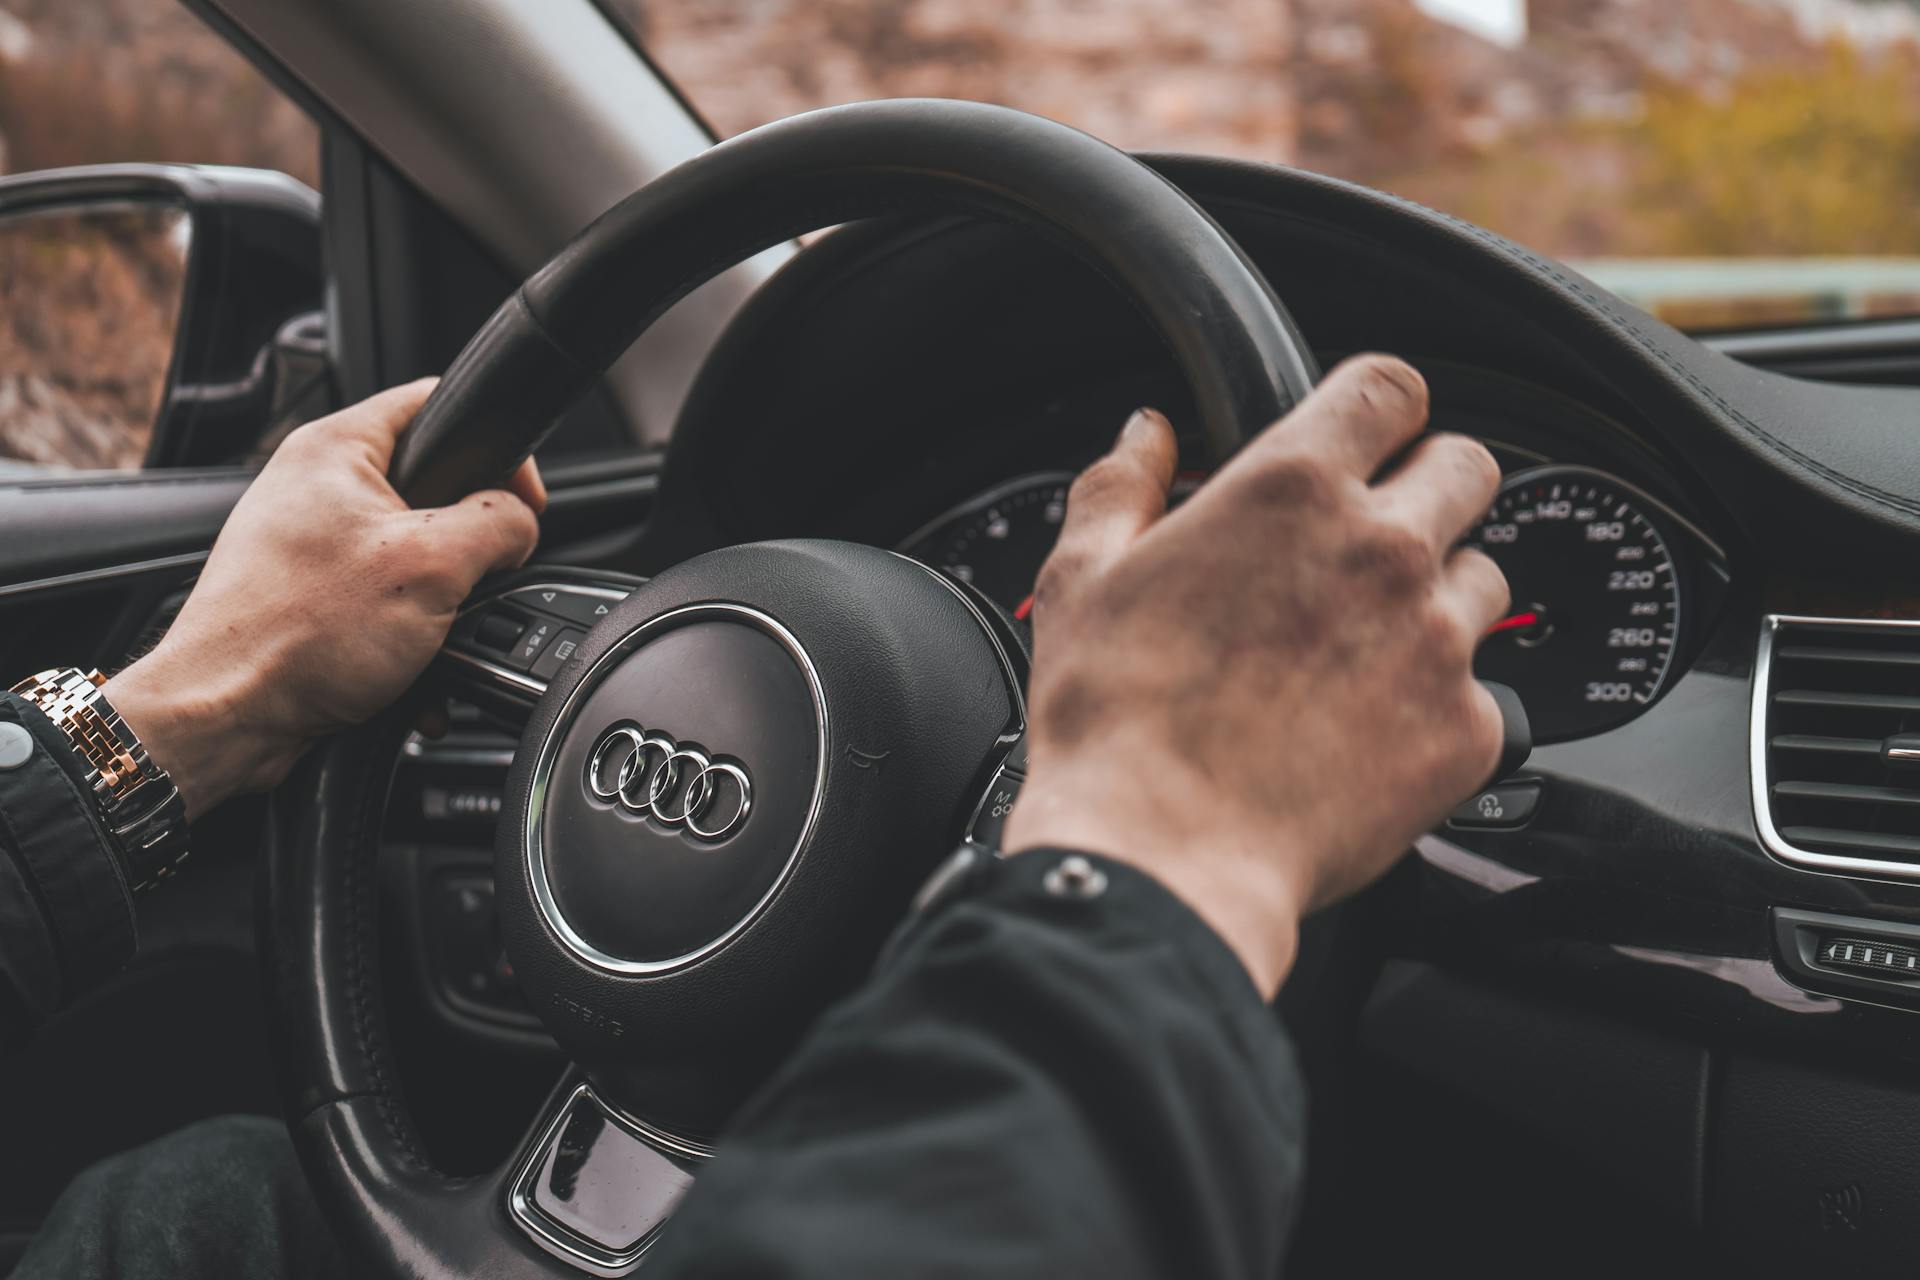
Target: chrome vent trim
{"type": "Point", "coordinates": [1771, 837]}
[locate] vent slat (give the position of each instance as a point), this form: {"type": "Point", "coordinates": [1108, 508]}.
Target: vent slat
{"type": "Point", "coordinates": [1861, 657]}
{"type": "Point", "coordinates": [1836, 700]}
{"type": "Point", "coordinates": [1838, 695]}
{"type": "Point", "coordinates": [1845, 793]}
{"type": "Point", "coordinates": [1865, 842]}
{"type": "Point", "coordinates": [1831, 746]}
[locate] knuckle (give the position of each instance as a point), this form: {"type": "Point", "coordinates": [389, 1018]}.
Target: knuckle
{"type": "Point", "coordinates": [1486, 733]}
{"type": "Point", "coordinates": [1447, 638]}
{"type": "Point", "coordinates": [1393, 556]}
{"type": "Point", "coordinates": [1387, 380]}
{"type": "Point", "coordinates": [1304, 481]}
{"type": "Point", "coordinates": [304, 443]}
{"type": "Point", "coordinates": [1468, 464]}
{"type": "Point", "coordinates": [1100, 484]}
{"type": "Point", "coordinates": [409, 551]}
{"type": "Point", "coordinates": [1062, 570]}
{"type": "Point", "coordinates": [521, 525]}
{"type": "Point", "coordinates": [1493, 580]}
{"type": "Point", "coordinates": [1480, 464]}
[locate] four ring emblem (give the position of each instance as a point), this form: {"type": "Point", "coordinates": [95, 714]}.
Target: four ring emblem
{"type": "Point", "coordinates": [648, 773]}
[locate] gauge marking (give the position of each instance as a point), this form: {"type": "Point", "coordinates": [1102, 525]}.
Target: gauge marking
{"type": "Point", "coordinates": [998, 540]}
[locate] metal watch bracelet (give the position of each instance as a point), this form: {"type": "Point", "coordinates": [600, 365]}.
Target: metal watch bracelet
{"type": "Point", "coordinates": [138, 803]}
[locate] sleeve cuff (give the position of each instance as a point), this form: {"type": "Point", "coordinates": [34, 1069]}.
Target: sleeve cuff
{"type": "Point", "coordinates": [1110, 904]}
{"type": "Point", "coordinates": [49, 826]}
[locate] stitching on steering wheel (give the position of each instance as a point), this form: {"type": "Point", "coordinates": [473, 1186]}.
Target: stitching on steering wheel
{"type": "Point", "coordinates": [363, 940]}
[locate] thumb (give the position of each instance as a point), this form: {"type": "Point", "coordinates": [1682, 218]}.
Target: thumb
{"type": "Point", "coordinates": [484, 531]}
{"type": "Point", "coordinates": [1113, 501]}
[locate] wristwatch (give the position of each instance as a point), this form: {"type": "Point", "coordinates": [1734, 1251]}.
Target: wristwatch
{"type": "Point", "coordinates": [137, 800]}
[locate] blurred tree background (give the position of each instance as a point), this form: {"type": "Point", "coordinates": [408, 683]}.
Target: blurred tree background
{"type": "Point", "coordinates": [95, 81]}
{"type": "Point", "coordinates": [1764, 130]}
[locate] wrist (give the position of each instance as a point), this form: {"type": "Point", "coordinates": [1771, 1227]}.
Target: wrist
{"type": "Point", "coordinates": [194, 725]}
{"type": "Point", "coordinates": [1244, 893]}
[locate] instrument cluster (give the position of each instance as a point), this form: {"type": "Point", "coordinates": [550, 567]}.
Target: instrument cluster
{"type": "Point", "coordinates": [1608, 582]}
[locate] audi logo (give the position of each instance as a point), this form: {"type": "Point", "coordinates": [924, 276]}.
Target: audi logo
{"type": "Point", "coordinates": [648, 773]}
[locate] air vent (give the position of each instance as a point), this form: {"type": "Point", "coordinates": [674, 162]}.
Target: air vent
{"type": "Point", "coordinates": [1836, 744]}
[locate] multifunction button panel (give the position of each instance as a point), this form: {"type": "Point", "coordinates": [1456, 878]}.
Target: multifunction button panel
{"type": "Point", "coordinates": [522, 637]}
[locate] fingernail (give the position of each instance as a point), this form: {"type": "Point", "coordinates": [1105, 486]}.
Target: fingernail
{"type": "Point", "coordinates": [1140, 424]}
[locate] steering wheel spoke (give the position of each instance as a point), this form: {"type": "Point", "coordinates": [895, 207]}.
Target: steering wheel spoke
{"type": "Point", "coordinates": [593, 1185]}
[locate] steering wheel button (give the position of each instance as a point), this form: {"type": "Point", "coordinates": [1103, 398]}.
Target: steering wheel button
{"type": "Point", "coordinates": [571, 604]}
{"type": "Point", "coordinates": [557, 653]}
{"type": "Point", "coordinates": [532, 643]}
{"type": "Point", "coordinates": [1501, 806]}
{"type": "Point", "coordinates": [990, 819]}
{"type": "Point", "coordinates": [498, 631]}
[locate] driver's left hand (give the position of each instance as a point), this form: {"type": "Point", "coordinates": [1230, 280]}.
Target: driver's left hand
{"type": "Point", "coordinates": [324, 599]}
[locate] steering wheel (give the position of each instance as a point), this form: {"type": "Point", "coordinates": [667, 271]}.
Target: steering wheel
{"type": "Point", "coordinates": [733, 777]}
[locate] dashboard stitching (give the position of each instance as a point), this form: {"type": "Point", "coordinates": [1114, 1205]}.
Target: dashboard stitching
{"type": "Point", "coordinates": [361, 947]}
{"type": "Point", "coordinates": [1542, 267]}
{"type": "Point", "coordinates": [1528, 258]}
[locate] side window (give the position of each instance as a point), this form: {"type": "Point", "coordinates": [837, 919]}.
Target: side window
{"type": "Point", "coordinates": [95, 275]}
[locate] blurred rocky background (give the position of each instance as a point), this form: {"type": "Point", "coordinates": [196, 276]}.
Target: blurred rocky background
{"type": "Point", "coordinates": [1724, 162]}
{"type": "Point", "coordinates": [1581, 127]}
{"type": "Point", "coordinates": [88, 301]}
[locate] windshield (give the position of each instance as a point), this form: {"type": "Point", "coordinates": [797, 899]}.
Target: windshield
{"type": "Point", "coordinates": [1725, 163]}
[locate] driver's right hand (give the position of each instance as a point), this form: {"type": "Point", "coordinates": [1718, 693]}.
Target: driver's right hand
{"type": "Point", "coordinates": [1262, 697]}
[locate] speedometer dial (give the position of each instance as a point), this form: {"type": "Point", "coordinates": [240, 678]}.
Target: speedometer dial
{"type": "Point", "coordinates": [999, 540]}
{"type": "Point", "coordinates": [1595, 621]}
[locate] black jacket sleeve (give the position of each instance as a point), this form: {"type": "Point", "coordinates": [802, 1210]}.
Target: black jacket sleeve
{"type": "Point", "coordinates": [66, 914]}
{"type": "Point", "coordinates": [1049, 1075]}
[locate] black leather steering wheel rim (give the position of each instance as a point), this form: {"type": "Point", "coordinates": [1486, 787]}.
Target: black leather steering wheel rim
{"type": "Point", "coordinates": [544, 347]}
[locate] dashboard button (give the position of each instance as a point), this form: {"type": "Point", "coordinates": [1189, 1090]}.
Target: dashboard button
{"type": "Point", "coordinates": [1503, 805]}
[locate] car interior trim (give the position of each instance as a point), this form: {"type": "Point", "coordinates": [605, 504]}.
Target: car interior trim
{"type": "Point", "coordinates": [554, 1238]}
{"type": "Point", "coordinates": [106, 573]}
{"type": "Point", "coordinates": [466, 97]}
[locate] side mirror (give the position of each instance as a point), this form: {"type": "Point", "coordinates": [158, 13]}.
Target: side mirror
{"type": "Point", "coordinates": [158, 315]}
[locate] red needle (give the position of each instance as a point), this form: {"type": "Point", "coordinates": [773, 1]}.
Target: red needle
{"type": "Point", "coordinates": [1024, 608]}
{"type": "Point", "coordinates": [1514, 622]}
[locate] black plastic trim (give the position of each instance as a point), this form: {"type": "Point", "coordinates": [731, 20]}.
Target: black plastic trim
{"type": "Point", "coordinates": [1796, 939]}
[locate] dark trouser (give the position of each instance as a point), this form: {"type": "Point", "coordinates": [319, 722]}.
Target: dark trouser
{"type": "Point", "coordinates": [221, 1199]}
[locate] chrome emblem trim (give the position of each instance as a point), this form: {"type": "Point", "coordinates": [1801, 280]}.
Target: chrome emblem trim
{"type": "Point", "coordinates": [674, 784]}
{"type": "Point", "coordinates": [531, 832]}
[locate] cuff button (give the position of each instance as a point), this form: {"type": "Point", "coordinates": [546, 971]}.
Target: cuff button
{"type": "Point", "coordinates": [1075, 877]}
{"type": "Point", "coordinates": [16, 745]}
